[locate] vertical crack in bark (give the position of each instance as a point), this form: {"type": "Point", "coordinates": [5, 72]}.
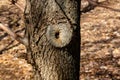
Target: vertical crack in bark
{"type": "Point", "coordinates": [64, 14]}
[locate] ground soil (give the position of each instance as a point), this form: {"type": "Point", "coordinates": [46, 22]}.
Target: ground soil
{"type": "Point", "coordinates": [100, 42]}
{"type": "Point", "coordinates": [13, 65]}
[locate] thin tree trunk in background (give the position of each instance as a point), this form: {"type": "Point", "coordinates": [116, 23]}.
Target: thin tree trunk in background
{"type": "Point", "coordinates": [52, 29]}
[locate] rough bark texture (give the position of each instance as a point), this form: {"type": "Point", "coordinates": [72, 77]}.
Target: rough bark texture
{"type": "Point", "coordinates": [52, 28]}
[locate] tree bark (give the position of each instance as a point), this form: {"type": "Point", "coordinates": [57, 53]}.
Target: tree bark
{"type": "Point", "coordinates": [52, 29]}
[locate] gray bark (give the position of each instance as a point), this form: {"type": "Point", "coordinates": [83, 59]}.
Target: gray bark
{"type": "Point", "coordinates": [52, 29]}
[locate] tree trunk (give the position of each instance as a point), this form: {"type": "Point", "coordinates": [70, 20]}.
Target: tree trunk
{"type": "Point", "coordinates": [52, 29]}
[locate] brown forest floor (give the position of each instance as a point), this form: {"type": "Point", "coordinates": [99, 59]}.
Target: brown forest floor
{"type": "Point", "coordinates": [100, 43]}
{"type": "Point", "coordinates": [13, 65]}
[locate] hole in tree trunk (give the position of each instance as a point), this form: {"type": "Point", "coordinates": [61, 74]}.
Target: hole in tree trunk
{"type": "Point", "coordinates": [57, 35]}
